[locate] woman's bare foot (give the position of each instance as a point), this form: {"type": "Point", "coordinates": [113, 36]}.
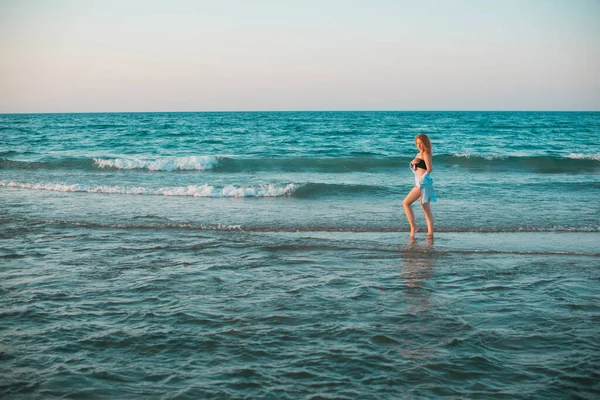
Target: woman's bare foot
{"type": "Point", "coordinates": [413, 230]}
{"type": "Point", "coordinates": [430, 235]}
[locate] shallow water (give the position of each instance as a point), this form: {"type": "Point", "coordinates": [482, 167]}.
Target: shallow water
{"type": "Point", "coordinates": [102, 312]}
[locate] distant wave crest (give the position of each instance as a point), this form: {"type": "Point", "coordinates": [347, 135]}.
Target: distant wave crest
{"type": "Point", "coordinates": [578, 156]}
{"type": "Point", "coordinates": [198, 163]}
{"type": "Point", "coordinates": [488, 157]}
{"type": "Point", "coordinates": [574, 162]}
{"type": "Point", "coordinates": [539, 164]}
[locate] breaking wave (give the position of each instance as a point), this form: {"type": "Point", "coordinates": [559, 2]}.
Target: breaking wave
{"type": "Point", "coordinates": [197, 163]}
{"type": "Point", "coordinates": [301, 190]}
{"type": "Point", "coordinates": [264, 190]}
{"type": "Point", "coordinates": [538, 164]}
{"type": "Point", "coordinates": [216, 163]}
{"type": "Point", "coordinates": [579, 156]}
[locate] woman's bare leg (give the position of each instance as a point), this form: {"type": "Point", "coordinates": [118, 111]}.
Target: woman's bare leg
{"type": "Point", "coordinates": [428, 217]}
{"type": "Point", "coordinates": [410, 198]}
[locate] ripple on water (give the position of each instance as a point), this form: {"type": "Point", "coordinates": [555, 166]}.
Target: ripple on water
{"type": "Point", "coordinates": [248, 324]}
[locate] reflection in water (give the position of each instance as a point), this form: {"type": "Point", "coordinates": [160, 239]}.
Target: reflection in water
{"type": "Point", "coordinates": [417, 268]}
{"type": "Point", "coordinates": [417, 262]}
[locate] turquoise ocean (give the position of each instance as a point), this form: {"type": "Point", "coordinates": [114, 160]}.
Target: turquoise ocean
{"type": "Point", "coordinates": [267, 255]}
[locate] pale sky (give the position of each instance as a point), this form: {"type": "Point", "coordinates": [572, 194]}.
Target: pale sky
{"type": "Point", "coordinates": [186, 55]}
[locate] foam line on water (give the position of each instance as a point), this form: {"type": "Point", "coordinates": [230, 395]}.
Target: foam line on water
{"type": "Point", "coordinates": [580, 156]}
{"type": "Point", "coordinates": [262, 190]}
{"type": "Point", "coordinates": [517, 230]}
{"type": "Point", "coordinates": [198, 163]}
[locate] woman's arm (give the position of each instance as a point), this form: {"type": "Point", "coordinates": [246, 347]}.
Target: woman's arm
{"type": "Point", "coordinates": [428, 163]}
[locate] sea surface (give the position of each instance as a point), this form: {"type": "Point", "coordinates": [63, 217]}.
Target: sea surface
{"type": "Point", "coordinates": [267, 255]}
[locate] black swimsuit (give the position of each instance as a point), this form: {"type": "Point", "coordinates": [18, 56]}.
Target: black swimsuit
{"type": "Point", "coordinates": [421, 164]}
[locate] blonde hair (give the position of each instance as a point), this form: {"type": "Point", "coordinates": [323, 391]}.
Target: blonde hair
{"type": "Point", "coordinates": [425, 139]}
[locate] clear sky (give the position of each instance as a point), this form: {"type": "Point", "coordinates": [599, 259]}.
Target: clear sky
{"type": "Point", "coordinates": [195, 55]}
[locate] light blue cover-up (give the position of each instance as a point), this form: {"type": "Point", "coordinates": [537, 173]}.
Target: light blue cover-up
{"type": "Point", "coordinates": [425, 183]}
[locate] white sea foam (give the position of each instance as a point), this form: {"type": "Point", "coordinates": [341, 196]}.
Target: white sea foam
{"type": "Point", "coordinates": [264, 190]}
{"type": "Point", "coordinates": [488, 157]}
{"type": "Point", "coordinates": [462, 155]}
{"type": "Point", "coordinates": [199, 163]}
{"type": "Point", "coordinates": [580, 156]}
{"type": "Point", "coordinates": [215, 227]}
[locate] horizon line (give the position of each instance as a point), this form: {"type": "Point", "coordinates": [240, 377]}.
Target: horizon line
{"type": "Point", "coordinates": [282, 111]}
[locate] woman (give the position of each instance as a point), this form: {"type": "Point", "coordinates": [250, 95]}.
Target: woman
{"type": "Point", "coordinates": [421, 167]}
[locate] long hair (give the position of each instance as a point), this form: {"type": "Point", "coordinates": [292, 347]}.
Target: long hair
{"type": "Point", "coordinates": [425, 139]}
